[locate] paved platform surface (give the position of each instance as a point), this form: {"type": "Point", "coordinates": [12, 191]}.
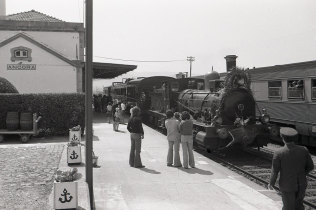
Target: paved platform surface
{"type": "Point", "coordinates": [27, 174]}
{"type": "Point", "coordinates": [117, 186]}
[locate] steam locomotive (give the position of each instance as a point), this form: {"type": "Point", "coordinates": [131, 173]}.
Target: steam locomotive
{"type": "Point", "coordinates": [224, 111]}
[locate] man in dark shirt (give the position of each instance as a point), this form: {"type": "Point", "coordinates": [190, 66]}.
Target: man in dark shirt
{"type": "Point", "coordinates": [294, 163]}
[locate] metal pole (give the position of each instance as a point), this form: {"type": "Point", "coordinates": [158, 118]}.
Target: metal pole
{"type": "Point", "coordinates": [88, 99]}
{"type": "Point", "coordinates": [191, 59]}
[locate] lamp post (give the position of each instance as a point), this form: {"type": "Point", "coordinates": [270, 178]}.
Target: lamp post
{"type": "Point", "coordinates": [88, 98]}
{"type": "Point", "coordinates": [190, 59]}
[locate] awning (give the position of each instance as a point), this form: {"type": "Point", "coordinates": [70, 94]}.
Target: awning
{"type": "Point", "coordinates": [109, 70]}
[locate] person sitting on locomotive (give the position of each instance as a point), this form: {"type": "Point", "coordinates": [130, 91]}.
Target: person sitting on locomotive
{"type": "Point", "coordinates": [173, 137]}
{"type": "Point", "coordinates": [197, 115]}
{"type": "Point", "coordinates": [216, 120]}
{"type": "Point", "coordinates": [207, 116]}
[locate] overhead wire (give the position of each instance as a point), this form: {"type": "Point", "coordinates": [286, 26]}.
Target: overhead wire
{"type": "Point", "coordinates": [142, 61]}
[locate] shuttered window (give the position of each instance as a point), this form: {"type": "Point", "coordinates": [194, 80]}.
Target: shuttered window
{"type": "Point", "coordinates": [313, 89]}
{"type": "Point", "coordinates": [20, 53]}
{"type": "Point", "coordinates": [295, 89]}
{"type": "Point", "coordinates": [275, 89]}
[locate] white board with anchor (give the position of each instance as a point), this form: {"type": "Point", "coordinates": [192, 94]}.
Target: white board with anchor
{"type": "Point", "coordinates": [75, 136]}
{"type": "Point", "coordinates": [74, 154]}
{"type": "Point", "coordinates": [65, 195]}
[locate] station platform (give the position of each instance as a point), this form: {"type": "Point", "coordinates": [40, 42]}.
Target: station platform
{"type": "Point", "coordinates": [117, 186]}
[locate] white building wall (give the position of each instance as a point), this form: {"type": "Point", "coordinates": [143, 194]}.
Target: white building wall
{"type": "Point", "coordinates": [64, 43]}
{"type": "Point", "coordinates": [52, 75]}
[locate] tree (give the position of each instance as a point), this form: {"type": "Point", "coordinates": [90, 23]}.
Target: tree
{"type": "Point", "coordinates": [6, 86]}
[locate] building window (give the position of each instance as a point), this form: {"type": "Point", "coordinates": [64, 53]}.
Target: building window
{"type": "Point", "coordinates": [295, 89]}
{"type": "Point", "coordinates": [275, 89]}
{"type": "Point", "coordinates": [313, 89]}
{"type": "Point", "coordinates": [20, 53]}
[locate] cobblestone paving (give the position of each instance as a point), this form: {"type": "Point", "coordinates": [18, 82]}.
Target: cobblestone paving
{"type": "Point", "coordinates": [27, 175]}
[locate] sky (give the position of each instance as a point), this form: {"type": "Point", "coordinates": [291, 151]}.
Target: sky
{"type": "Point", "coordinates": [260, 32]}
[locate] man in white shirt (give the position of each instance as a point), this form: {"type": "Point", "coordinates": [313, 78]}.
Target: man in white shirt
{"type": "Point", "coordinates": [173, 136]}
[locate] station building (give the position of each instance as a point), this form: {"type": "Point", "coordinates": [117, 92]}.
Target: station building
{"type": "Point", "coordinates": [42, 54]}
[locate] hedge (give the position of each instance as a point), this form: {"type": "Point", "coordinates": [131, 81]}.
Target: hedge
{"type": "Point", "coordinates": [59, 111]}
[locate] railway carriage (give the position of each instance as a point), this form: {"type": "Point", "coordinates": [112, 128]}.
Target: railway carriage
{"type": "Point", "coordinates": [137, 91]}
{"type": "Point", "coordinates": [288, 93]}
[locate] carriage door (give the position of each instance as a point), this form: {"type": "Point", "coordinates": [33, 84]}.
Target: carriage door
{"type": "Point", "coordinates": [166, 95]}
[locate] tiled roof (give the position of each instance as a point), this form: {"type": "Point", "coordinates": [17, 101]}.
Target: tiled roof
{"type": "Point", "coordinates": [32, 16]}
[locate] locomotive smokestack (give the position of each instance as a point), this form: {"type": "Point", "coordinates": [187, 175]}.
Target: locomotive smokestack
{"type": "Point", "coordinates": [2, 9]}
{"type": "Point", "coordinates": [230, 62]}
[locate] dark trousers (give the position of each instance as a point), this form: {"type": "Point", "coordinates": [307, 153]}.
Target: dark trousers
{"type": "Point", "coordinates": [134, 156]}
{"type": "Point", "coordinates": [293, 200]}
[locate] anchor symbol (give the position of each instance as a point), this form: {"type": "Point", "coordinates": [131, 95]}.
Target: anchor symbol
{"type": "Point", "coordinates": [74, 138]}
{"type": "Point", "coordinates": [73, 155]}
{"type": "Point", "coordinates": [65, 195]}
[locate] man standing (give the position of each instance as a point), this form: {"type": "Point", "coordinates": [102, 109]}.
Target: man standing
{"type": "Point", "coordinates": [294, 163]}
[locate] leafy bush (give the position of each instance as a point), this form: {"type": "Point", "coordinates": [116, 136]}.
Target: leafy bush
{"type": "Point", "coordinates": [6, 86]}
{"type": "Point", "coordinates": [59, 111]}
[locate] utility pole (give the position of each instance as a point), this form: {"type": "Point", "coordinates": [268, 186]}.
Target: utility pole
{"type": "Point", "coordinates": [88, 98]}
{"type": "Point", "coordinates": [190, 59]}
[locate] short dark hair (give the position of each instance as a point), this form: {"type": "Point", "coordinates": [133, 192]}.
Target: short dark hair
{"type": "Point", "coordinates": [169, 113]}
{"type": "Point", "coordinates": [177, 115]}
{"type": "Point", "coordinates": [135, 111]}
{"type": "Point", "coordinates": [185, 115]}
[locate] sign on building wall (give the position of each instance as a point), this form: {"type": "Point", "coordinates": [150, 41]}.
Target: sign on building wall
{"type": "Point", "coordinates": [22, 54]}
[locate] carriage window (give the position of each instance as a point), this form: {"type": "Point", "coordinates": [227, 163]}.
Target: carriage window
{"type": "Point", "coordinates": [174, 86]}
{"type": "Point", "coordinates": [295, 89]}
{"type": "Point", "coordinates": [313, 89]}
{"type": "Point", "coordinates": [131, 91]}
{"type": "Point", "coordinates": [275, 89]}
{"type": "Point", "coordinates": [200, 85]}
{"type": "Point", "coordinates": [191, 84]}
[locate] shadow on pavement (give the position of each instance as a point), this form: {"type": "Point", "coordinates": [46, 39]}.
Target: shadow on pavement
{"type": "Point", "coordinates": [150, 171]}
{"type": "Point", "coordinates": [196, 171]}
{"type": "Point", "coordinates": [121, 131]}
{"type": "Point", "coordinates": [76, 165]}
